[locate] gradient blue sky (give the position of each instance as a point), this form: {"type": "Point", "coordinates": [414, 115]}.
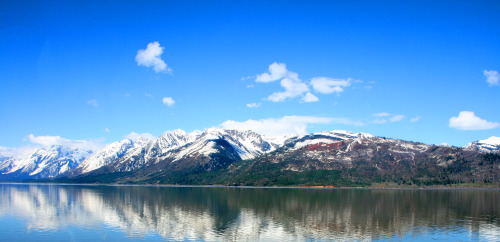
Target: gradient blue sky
{"type": "Point", "coordinates": [69, 69]}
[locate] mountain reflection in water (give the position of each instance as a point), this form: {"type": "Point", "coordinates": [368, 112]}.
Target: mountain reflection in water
{"type": "Point", "coordinates": [239, 214]}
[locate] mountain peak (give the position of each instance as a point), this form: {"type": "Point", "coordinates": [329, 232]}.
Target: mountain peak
{"type": "Point", "coordinates": [213, 133]}
{"type": "Point", "coordinates": [343, 134]}
{"type": "Point", "coordinates": [105, 155]}
{"type": "Point", "coordinates": [493, 140]}
{"type": "Point", "coordinates": [491, 144]}
{"type": "Point", "coordinates": [178, 132]}
{"type": "Point", "coordinates": [49, 161]}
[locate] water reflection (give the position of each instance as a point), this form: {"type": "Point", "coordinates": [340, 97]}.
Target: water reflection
{"type": "Point", "coordinates": [239, 214]}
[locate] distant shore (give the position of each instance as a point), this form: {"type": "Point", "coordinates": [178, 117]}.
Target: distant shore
{"type": "Point", "coordinates": [381, 186]}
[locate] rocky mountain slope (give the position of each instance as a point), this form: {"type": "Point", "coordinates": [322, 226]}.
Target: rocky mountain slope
{"type": "Point", "coordinates": [317, 160]}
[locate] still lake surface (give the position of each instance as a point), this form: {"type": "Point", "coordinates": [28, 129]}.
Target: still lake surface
{"type": "Point", "coordinates": [39, 212]}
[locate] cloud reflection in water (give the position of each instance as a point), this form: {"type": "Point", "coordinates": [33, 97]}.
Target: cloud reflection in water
{"type": "Point", "coordinates": [239, 214]}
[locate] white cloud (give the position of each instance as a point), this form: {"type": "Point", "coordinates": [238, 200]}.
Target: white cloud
{"type": "Point", "coordinates": [379, 121]}
{"type": "Point", "coordinates": [47, 140]}
{"type": "Point", "coordinates": [277, 71]}
{"type": "Point", "coordinates": [383, 114]}
{"type": "Point", "coordinates": [106, 130]}
{"type": "Point", "coordinates": [309, 98]}
{"type": "Point", "coordinates": [93, 102]}
{"type": "Point", "coordinates": [168, 101]}
{"type": "Point", "coordinates": [347, 121]}
{"type": "Point", "coordinates": [148, 95]}
{"type": "Point", "coordinates": [150, 57]}
{"type": "Point", "coordinates": [491, 77]}
{"type": "Point", "coordinates": [384, 117]}
{"type": "Point", "coordinates": [293, 88]}
{"type": "Point", "coordinates": [135, 136]}
{"type": "Point", "coordinates": [467, 120]}
{"type": "Point", "coordinates": [285, 125]}
{"type": "Point", "coordinates": [396, 118]}
{"type": "Point", "coordinates": [328, 85]}
{"type": "Point", "coordinates": [415, 119]}
{"type": "Point", "coordinates": [253, 105]}
{"type": "Point", "coordinates": [18, 152]}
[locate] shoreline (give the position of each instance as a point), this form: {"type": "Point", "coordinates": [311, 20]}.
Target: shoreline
{"type": "Point", "coordinates": [329, 187]}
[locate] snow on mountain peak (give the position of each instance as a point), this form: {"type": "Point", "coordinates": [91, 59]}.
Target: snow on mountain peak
{"type": "Point", "coordinates": [178, 132]}
{"type": "Point", "coordinates": [246, 143]}
{"type": "Point", "coordinates": [50, 162]}
{"type": "Point", "coordinates": [493, 140]}
{"type": "Point", "coordinates": [196, 132]}
{"type": "Point", "coordinates": [337, 135]}
{"type": "Point", "coordinates": [212, 133]}
{"type": "Point", "coordinates": [141, 141]}
{"type": "Point", "coordinates": [173, 139]}
{"type": "Point", "coordinates": [343, 134]}
{"type": "Point", "coordinates": [491, 144]}
{"type": "Point", "coordinates": [106, 155]}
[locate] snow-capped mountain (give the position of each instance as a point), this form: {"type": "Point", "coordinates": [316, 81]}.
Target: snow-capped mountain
{"type": "Point", "coordinates": [168, 142]}
{"type": "Point", "coordinates": [105, 156]}
{"type": "Point", "coordinates": [152, 151]}
{"type": "Point", "coordinates": [47, 162]}
{"type": "Point", "coordinates": [216, 148]}
{"type": "Point", "coordinates": [6, 164]}
{"type": "Point", "coordinates": [281, 140]}
{"type": "Point", "coordinates": [326, 137]}
{"type": "Point", "coordinates": [172, 146]}
{"type": "Point", "coordinates": [179, 145]}
{"type": "Point", "coordinates": [247, 144]}
{"type": "Point", "coordinates": [343, 135]}
{"type": "Point", "coordinates": [220, 156]}
{"type": "Point", "coordinates": [491, 144]}
{"type": "Point", "coordinates": [210, 149]}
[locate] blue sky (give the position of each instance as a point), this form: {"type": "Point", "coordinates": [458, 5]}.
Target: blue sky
{"type": "Point", "coordinates": [424, 71]}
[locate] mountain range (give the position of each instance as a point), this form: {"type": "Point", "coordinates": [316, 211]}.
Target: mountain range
{"type": "Point", "coordinates": [236, 157]}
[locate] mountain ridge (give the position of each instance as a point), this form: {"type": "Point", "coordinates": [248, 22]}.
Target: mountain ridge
{"type": "Point", "coordinates": [181, 154]}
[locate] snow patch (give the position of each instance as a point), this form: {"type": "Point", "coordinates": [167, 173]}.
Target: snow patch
{"type": "Point", "coordinates": [491, 144]}
{"type": "Point", "coordinates": [305, 143]}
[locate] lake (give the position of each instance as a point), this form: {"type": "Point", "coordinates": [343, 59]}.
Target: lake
{"type": "Point", "coordinates": [52, 212]}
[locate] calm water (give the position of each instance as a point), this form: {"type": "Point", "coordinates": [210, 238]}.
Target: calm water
{"type": "Point", "coordinates": [83, 213]}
